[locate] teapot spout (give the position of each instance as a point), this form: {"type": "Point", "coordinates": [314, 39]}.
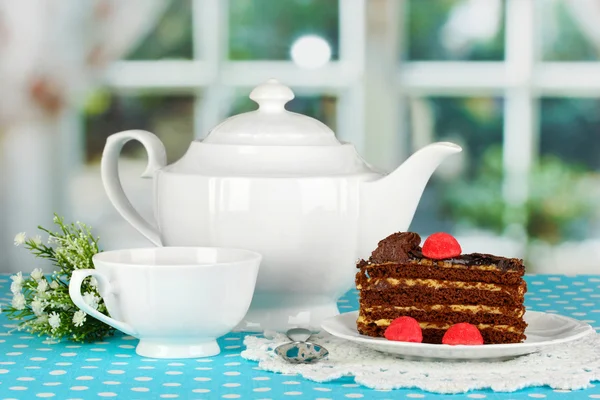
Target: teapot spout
{"type": "Point", "coordinates": [388, 204]}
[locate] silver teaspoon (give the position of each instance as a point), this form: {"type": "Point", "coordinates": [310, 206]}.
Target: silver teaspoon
{"type": "Point", "coordinates": [300, 351]}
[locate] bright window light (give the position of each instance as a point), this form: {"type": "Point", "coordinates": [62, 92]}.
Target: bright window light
{"type": "Point", "coordinates": [311, 52]}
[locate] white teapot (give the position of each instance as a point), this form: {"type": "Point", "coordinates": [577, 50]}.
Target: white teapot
{"type": "Point", "coordinates": [281, 184]}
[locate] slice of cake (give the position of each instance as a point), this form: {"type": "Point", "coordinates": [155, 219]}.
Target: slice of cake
{"type": "Point", "coordinates": [480, 289]}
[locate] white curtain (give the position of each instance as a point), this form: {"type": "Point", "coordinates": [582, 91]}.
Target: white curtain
{"type": "Point", "coordinates": [51, 53]}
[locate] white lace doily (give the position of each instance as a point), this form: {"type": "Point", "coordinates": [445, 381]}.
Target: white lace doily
{"type": "Point", "coordinates": [572, 366]}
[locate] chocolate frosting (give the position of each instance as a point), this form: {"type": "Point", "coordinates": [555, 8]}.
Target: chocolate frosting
{"type": "Point", "coordinates": [405, 246]}
{"type": "Point", "coordinates": [399, 247]}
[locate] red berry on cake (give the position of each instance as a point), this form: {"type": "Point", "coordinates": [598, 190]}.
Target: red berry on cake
{"type": "Point", "coordinates": [462, 333]}
{"type": "Point", "coordinates": [404, 329]}
{"type": "Point", "coordinates": [441, 245]}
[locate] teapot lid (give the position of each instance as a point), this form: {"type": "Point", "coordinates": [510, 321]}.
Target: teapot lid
{"type": "Point", "coordinates": [271, 124]}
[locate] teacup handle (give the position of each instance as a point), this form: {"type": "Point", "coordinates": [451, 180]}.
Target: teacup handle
{"type": "Point", "coordinates": [77, 278]}
{"type": "Point", "coordinates": [109, 169]}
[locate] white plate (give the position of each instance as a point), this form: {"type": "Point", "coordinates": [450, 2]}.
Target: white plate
{"type": "Point", "coordinates": [543, 330]}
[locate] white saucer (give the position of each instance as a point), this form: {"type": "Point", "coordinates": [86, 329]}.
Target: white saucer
{"type": "Point", "coordinates": [543, 330]}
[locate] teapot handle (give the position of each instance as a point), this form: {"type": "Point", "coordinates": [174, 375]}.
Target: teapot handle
{"type": "Point", "coordinates": [157, 159]}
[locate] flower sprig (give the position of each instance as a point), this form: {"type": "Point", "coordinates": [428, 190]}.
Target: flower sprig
{"type": "Point", "coordinates": [42, 304]}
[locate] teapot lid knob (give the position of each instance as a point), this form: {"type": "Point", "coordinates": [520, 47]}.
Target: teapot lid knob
{"type": "Point", "coordinates": [272, 96]}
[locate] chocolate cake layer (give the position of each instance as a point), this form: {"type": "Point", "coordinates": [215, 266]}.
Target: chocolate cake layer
{"type": "Point", "coordinates": [399, 295]}
{"type": "Point", "coordinates": [452, 317]}
{"type": "Point", "coordinates": [445, 271]}
{"type": "Point", "coordinates": [434, 336]}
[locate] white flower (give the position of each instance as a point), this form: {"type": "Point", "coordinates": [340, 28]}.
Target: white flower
{"type": "Point", "coordinates": [79, 318]}
{"type": "Point", "coordinates": [93, 282]}
{"type": "Point", "coordinates": [42, 286]}
{"type": "Point", "coordinates": [37, 307]}
{"type": "Point", "coordinates": [54, 320]}
{"type": "Point", "coordinates": [18, 278]}
{"type": "Point", "coordinates": [15, 287]}
{"type": "Point", "coordinates": [18, 301]}
{"type": "Point", "coordinates": [91, 300]}
{"type": "Point", "coordinates": [54, 285]}
{"type": "Point", "coordinates": [20, 238]}
{"type": "Point", "coordinates": [37, 274]}
{"type": "Point", "coordinates": [42, 319]}
{"type": "Point", "coordinates": [37, 239]}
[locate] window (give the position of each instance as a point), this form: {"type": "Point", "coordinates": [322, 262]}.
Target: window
{"type": "Point", "coordinates": [514, 82]}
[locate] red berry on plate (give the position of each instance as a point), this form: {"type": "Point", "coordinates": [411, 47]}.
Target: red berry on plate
{"type": "Point", "coordinates": [404, 329]}
{"type": "Point", "coordinates": [441, 245]}
{"type": "Point", "coordinates": [462, 333]}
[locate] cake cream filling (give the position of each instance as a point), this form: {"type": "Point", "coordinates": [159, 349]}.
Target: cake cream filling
{"type": "Point", "coordinates": [518, 313]}
{"type": "Point", "coordinates": [434, 325]}
{"type": "Point", "coordinates": [441, 284]}
{"type": "Point", "coordinates": [446, 264]}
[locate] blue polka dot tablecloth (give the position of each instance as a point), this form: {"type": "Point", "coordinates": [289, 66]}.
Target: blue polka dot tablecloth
{"type": "Point", "coordinates": [32, 368]}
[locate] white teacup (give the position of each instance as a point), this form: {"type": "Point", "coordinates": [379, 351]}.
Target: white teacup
{"type": "Point", "coordinates": [176, 300]}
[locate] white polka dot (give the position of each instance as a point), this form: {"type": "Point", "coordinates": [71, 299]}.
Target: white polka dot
{"type": "Point", "coordinates": [44, 349]}
{"type": "Point", "coordinates": [45, 394]}
{"type": "Point", "coordinates": [261, 378]}
{"type": "Point", "coordinates": [537, 395]}
{"type": "Point", "coordinates": [63, 364]}
{"type": "Point", "coordinates": [231, 396]}
{"type": "Point", "coordinates": [17, 388]}
{"type": "Point", "coordinates": [204, 360]}
{"type": "Point", "coordinates": [107, 394]}
{"type": "Point", "coordinates": [58, 372]}
{"type": "Point", "coordinates": [293, 393]}
{"type": "Point", "coordinates": [14, 353]}
{"type": "Point", "coordinates": [354, 395]}
{"type": "Point", "coordinates": [127, 346]}
{"type": "Point", "coordinates": [140, 389]}
{"type": "Point", "coordinates": [232, 338]}
{"type": "Point", "coordinates": [24, 378]}
{"type": "Point", "coordinates": [68, 354]}
{"type": "Point", "coordinates": [594, 396]}
{"type": "Point", "coordinates": [415, 395]}
{"type": "Point", "coordinates": [20, 346]}
{"type": "Point", "coordinates": [111, 383]}
{"type": "Point", "coordinates": [231, 364]}
{"type": "Point", "coordinates": [201, 390]}
{"type": "Point", "coordinates": [146, 367]}
{"type": "Point", "coordinates": [232, 355]}
{"type": "Point", "coordinates": [73, 346]}
{"type": "Point", "coordinates": [32, 367]}
{"type": "Point", "coordinates": [4, 371]}
{"type": "Point", "coordinates": [202, 379]}
{"type": "Point", "coordinates": [84, 378]}
{"type": "Point", "coordinates": [291, 383]}
{"type": "Point", "coordinates": [52, 384]}
{"type": "Point", "coordinates": [79, 388]}
{"type": "Point", "coordinates": [115, 371]}
{"type": "Point", "coordinates": [8, 362]}
{"type": "Point", "coordinates": [350, 385]}
{"type": "Point", "coordinates": [231, 373]}
{"type": "Point", "coordinates": [561, 391]}
{"type": "Point", "coordinates": [203, 368]}
{"type": "Point", "coordinates": [176, 364]}
{"type": "Point", "coordinates": [89, 367]}
{"type": "Point", "coordinates": [143, 378]}
{"type": "Point", "coordinates": [98, 349]}
{"type": "Point", "coordinates": [477, 396]}
{"type": "Point", "coordinates": [322, 389]}
{"type": "Point", "coordinates": [123, 355]}
{"type": "Point", "coordinates": [169, 396]}
{"type": "Point", "coordinates": [174, 372]}
{"type": "Point", "coordinates": [231, 385]}
{"type": "Point", "coordinates": [232, 347]}
{"type": "Point", "coordinates": [261, 389]}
